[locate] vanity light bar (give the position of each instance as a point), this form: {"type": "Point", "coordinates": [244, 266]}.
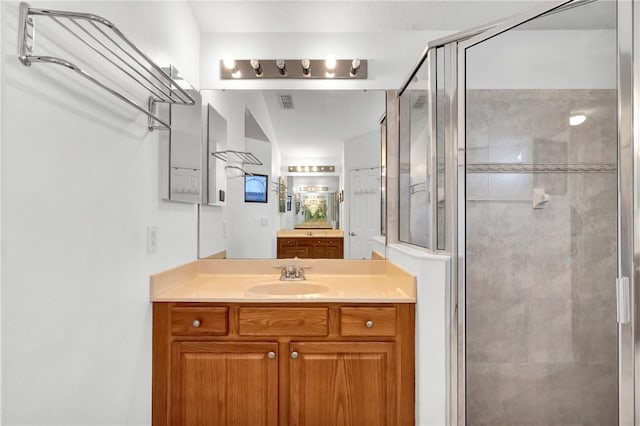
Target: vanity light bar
{"type": "Point", "coordinates": [314, 188]}
{"type": "Point", "coordinates": [312, 169]}
{"type": "Point", "coordinates": [243, 69]}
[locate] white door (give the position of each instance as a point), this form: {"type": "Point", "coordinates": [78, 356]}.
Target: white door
{"type": "Point", "coordinates": [364, 211]}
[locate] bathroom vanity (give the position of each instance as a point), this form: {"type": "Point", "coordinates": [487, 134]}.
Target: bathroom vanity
{"type": "Point", "coordinates": [311, 244]}
{"type": "Point", "coordinates": [231, 348]}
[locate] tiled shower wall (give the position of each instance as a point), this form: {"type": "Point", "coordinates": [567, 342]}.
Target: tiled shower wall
{"type": "Point", "coordinates": [541, 334]}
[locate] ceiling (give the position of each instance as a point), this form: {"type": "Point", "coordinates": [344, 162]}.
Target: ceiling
{"type": "Point", "coordinates": [322, 120]}
{"type": "Point", "coordinates": [312, 16]}
{"type": "Point", "coordinates": [349, 16]}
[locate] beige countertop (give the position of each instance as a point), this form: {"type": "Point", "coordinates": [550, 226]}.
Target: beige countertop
{"type": "Point", "coordinates": [228, 280]}
{"type": "Point", "coordinates": [310, 233]}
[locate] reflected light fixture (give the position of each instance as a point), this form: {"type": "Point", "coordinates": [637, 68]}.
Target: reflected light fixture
{"type": "Point", "coordinates": [255, 64]}
{"type": "Point", "coordinates": [355, 66]}
{"type": "Point", "coordinates": [312, 169]}
{"type": "Point", "coordinates": [576, 120]}
{"type": "Point", "coordinates": [282, 66]}
{"type": "Point", "coordinates": [306, 67]}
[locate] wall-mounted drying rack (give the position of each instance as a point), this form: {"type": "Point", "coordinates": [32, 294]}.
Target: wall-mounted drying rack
{"type": "Point", "coordinates": [245, 158]}
{"type": "Point", "coordinates": [106, 41]}
{"type": "Point", "coordinates": [244, 172]}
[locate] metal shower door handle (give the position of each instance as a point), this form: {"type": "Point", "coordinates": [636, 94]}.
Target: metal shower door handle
{"type": "Point", "coordinates": [623, 298]}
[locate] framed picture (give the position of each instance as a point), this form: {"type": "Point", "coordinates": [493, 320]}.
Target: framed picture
{"type": "Point", "coordinates": [256, 188]}
{"type": "Point", "coordinates": [288, 203]}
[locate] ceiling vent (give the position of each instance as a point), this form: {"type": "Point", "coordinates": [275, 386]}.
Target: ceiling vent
{"type": "Point", "coordinates": [286, 102]}
{"type": "Point", "coordinates": [420, 102]}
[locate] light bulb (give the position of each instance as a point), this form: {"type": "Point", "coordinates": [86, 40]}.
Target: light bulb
{"type": "Point", "coordinates": [355, 66]}
{"type": "Point", "coordinates": [330, 63]}
{"type": "Point", "coordinates": [576, 120]}
{"type": "Point", "coordinates": [255, 64]}
{"type": "Point", "coordinates": [306, 67]}
{"type": "Point", "coordinates": [229, 64]}
{"type": "Point", "coordinates": [236, 74]}
{"type": "Point", "coordinates": [282, 66]}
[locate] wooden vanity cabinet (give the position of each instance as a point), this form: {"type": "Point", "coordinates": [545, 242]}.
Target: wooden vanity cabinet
{"type": "Point", "coordinates": [310, 247]}
{"type": "Point", "coordinates": [311, 364]}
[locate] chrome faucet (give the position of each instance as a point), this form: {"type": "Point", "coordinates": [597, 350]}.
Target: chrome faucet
{"type": "Point", "coordinates": [291, 273]}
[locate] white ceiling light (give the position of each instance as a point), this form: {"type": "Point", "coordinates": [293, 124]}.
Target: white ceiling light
{"type": "Point", "coordinates": [576, 120]}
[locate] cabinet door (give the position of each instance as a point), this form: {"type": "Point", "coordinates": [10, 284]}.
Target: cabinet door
{"type": "Point", "coordinates": [224, 383]}
{"type": "Point", "coordinates": [342, 384]}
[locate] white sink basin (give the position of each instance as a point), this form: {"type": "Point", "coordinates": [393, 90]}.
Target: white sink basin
{"type": "Point", "coordinates": [288, 288]}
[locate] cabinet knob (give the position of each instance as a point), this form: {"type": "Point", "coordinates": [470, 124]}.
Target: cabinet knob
{"type": "Point", "coordinates": [294, 355]}
{"type": "Point", "coordinates": [369, 324]}
{"type": "Point", "coordinates": [196, 323]}
{"type": "Point", "coordinates": [271, 355]}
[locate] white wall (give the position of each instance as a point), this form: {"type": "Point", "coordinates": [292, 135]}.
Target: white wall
{"type": "Point", "coordinates": [80, 184]}
{"type": "Point", "coordinates": [432, 330]}
{"type": "Point", "coordinates": [549, 59]}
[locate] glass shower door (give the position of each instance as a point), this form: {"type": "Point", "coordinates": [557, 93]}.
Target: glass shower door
{"type": "Point", "coordinates": [540, 221]}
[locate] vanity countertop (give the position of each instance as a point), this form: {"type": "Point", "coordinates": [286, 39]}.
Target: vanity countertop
{"type": "Point", "coordinates": [228, 280]}
{"type": "Point", "coordinates": [310, 233]}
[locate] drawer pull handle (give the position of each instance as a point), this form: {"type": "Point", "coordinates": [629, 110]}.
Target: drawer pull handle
{"type": "Point", "coordinates": [294, 355]}
{"type": "Point", "coordinates": [369, 324]}
{"type": "Point", "coordinates": [196, 323]}
{"type": "Point", "coordinates": [271, 355]}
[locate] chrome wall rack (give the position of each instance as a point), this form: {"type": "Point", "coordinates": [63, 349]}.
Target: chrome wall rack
{"type": "Point", "coordinates": [245, 158]}
{"type": "Point", "coordinates": [105, 41]}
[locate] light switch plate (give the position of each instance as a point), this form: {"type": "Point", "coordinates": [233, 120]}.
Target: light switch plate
{"type": "Point", "coordinates": [152, 238]}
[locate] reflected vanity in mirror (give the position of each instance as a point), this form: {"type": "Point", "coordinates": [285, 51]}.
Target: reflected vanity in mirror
{"type": "Point", "coordinates": [321, 152]}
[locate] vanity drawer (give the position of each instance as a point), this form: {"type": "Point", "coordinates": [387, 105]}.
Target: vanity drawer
{"type": "Point", "coordinates": [283, 321]}
{"type": "Point", "coordinates": [367, 321]}
{"type": "Point", "coordinates": [194, 321]}
{"type": "Point", "coordinates": [287, 242]}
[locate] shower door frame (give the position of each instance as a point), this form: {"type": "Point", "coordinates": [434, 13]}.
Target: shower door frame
{"type": "Point", "coordinates": [628, 14]}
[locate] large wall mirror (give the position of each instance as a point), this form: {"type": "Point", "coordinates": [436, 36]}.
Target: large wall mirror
{"type": "Point", "coordinates": [321, 151]}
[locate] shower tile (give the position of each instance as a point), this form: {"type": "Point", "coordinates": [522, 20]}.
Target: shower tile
{"type": "Point", "coordinates": [494, 331]}
{"type": "Point", "coordinates": [477, 185]}
{"type": "Point", "coordinates": [596, 337]}
{"type": "Point", "coordinates": [477, 155]}
{"type": "Point", "coordinates": [510, 185]}
{"type": "Point", "coordinates": [582, 394]}
{"type": "Point", "coordinates": [550, 152]}
{"type": "Point", "coordinates": [549, 331]}
{"type": "Point", "coordinates": [477, 215]}
{"type": "Point", "coordinates": [549, 394]}
{"type": "Point", "coordinates": [504, 393]}
{"type": "Point", "coordinates": [547, 257]}
{"type": "Point", "coordinates": [512, 218]}
{"type": "Point", "coordinates": [593, 267]}
{"type": "Point", "coordinates": [511, 154]}
{"type": "Point", "coordinates": [553, 218]}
